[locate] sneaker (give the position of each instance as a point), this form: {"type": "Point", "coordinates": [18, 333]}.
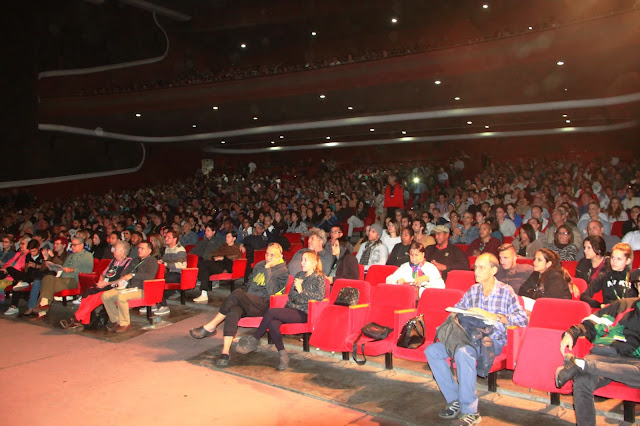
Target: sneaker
{"type": "Point", "coordinates": [215, 284]}
{"type": "Point", "coordinates": [57, 298]}
{"type": "Point", "coordinates": [78, 301]}
{"type": "Point", "coordinates": [144, 309]}
{"type": "Point", "coordinates": [174, 296]}
{"type": "Point", "coordinates": [249, 345]}
{"type": "Point", "coordinates": [223, 360]}
{"type": "Point", "coordinates": [451, 411]}
{"type": "Point", "coordinates": [164, 310]}
{"type": "Point", "coordinates": [203, 298]}
{"type": "Point", "coordinates": [568, 370]}
{"type": "Point", "coordinates": [11, 311]}
{"type": "Point", "coordinates": [467, 420]}
{"type": "Point", "coordinates": [20, 285]}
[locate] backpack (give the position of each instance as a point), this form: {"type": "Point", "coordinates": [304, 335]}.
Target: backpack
{"type": "Point", "coordinates": [412, 334]}
{"type": "Point", "coordinates": [373, 331]}
{"type": "Point", "coordinates": [99, 319]}
{"type": "Point", "coordinates": [451, 334]}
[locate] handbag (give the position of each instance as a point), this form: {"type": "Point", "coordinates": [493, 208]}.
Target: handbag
{"type": "Point", "coordinates": [412, 334]}
{"type": "Point", "coordinates": [347, 296]}
{"type": "Point", "coordinates": [373, 331]}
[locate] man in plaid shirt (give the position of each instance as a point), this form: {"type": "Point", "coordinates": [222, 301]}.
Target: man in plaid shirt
{"type": "Point", "coordinates": [494, 300]}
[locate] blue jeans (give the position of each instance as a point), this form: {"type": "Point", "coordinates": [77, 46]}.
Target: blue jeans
{"type": "Point", "coordinates": [464, 390]}
{"type": "Point", "coordinates": [35, 292]}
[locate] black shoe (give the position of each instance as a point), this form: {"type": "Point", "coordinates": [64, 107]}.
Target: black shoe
{"type": "Point", "coordinates": [568, 371]}
{"type": "Point", "coordinates": [223, 360]}
{"type": "Point", "coordinates": [201, 333]}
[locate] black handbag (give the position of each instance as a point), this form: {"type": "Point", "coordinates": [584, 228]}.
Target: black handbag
{"type": "Point", "coordinates": [347, 296]}
{"type": "Point", "coordinates": [373, 331]}
{"type": "Point", "coordinates": [412, 334]}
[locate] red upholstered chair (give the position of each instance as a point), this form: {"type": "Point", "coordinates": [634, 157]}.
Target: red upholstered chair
{"type": "Point", "coordinates": [616, 228]}
{"type": "Point", "coordinates": [472, 261]}
{"type": "Point", "coordinates": [570, 266]}
{"type": "Point", "coordinates": [462, 247]}
{"type": "Point", "coordinates": [538, 360]}
{"type": "Point", "coordinates": [385, 302]}
{"type": "Point", "coordinates": [258, 256]}
{"type": "Point", "coordinates": [432, 304]}
{"type": "Point", "coordinates": [237, 272]}
{"type": "Point", "coordinates": [558, 314]}
{"type": "Point", "coordinates": [315, 310]}
{"type": "Point", "coordinates": [189, 247]}
{"type": "Point", "coordinates": [293, 249]}
{"type": "Point", "coordinates": [188, 279]}
{"type": "Point", "coordinates": [102, 265]}
{"type": "Point", "coordinates": [582, 286]}
{"type": "Point", "coordinates": [151, 296]}
{"type": "Point", "coordinates": [160, 273]}
{"type": "Point", "coordinates": [377, 274]}
{"type": "Point", "coordinates": [95, 265]}
{"type": "Point", "coordinates": [507, 240]}
{"type": "Point", "coordinates": [293, 238]}
{"type": "Point", "coordinates": [524, 261]}
{"type": "Point", "coordinates": [461, 280]}
{"type": "Point", "coordinates": [636, 259]}
{"type": "Point", "coordinates": [369, 220]}
{"type": "Point", "coordinates": [84, 282]}
{"type": "Point", "coordinates": [254, 322]}
{"type": "Point", "coordinates": [361, 272]}
{"type": "Point", "coordinates": [192, 261]}
{"type": "Point", "coordinates": [336, 323]}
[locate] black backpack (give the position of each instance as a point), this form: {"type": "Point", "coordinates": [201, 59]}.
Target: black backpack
{"type": "Point", "coordinates": [99, 319]}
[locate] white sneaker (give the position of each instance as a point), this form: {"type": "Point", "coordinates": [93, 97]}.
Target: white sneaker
{"type": "Point", "coordinates": [78, 301]}
{"type": "Point", "coordinates": [20, 285]}
{"type": "Point", "coordinates": [164, 310]}
{"type": "Point", "coordinates": [144, 309]}
{"type": "Point", "coordinates": [57, 298]}
{"type": "Point", "coordinates": [203, 298]}
{"type": "Point", "coordinates": [11, 311]}
{"type": "Point", "coordinates": [215, 284]}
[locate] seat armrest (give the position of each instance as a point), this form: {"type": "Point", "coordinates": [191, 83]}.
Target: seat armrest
{"type": "Point", "coordinates": [357, 316]}
{"type": "Point", "coordinates": [279, 300]}
{"type": "Point", "coordinates": [515, 337]}
{"type": "Point", "coordinates": [188, 278]}
{"type": "Point", "coordinates": [153, 291]}
{"type": "Point", "coordinates": [316, 307]}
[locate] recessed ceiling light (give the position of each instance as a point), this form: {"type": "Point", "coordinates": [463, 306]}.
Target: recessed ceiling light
{"type": "Point", "coordinates": [349, 107]}
{"type": "Point", "coordinates": [255, 118]}
{"type": "Point", "coordinates": [222, 142]}
{"type": "Point", "coordinates": [404, 132]}
{"type": "Point", "coordinates": [437, 82]}
{"type": "Point", "coordinates": [313, 33]}
{"type": "Point", "coordinates": [566, 90]}
{"type": "Point", "coordinates": [328, 137]}
{"type": "Point", "coordinates": [215, 107]}
{"type": "Point", "coordinates": [194, 126]}
{"type": "Point", "coordinates": [485, 6]}
{"type": "Point", "coordinates": [322, 96]}
{"type": "Point", "coordinates": [273, 142]}
{"type": "Point", "coordinates": [372, 129]}
{"type": "Point", "coordinates": [138, 115]}
{"type": "Point", "coordinates": [560, 63]}
{"type": "Point", "coordinates": [567, 121]}
{"type": "Point", "coordinates": [394, 20]}
{"type": "Point", "coordinates": [244, 46]}
{"type": "Point", "coordinates": [486, 127]}
{"type": "Point", "coordinates": [469, 122]}
{"type": "Point", "coordinates": [530, 28]}
{"type": "Point", "coordinates": [281, 137]}
{"type": "Point", "coordinates": [457, 98]}
{"type": "Point", "coordinates": [564, 115]}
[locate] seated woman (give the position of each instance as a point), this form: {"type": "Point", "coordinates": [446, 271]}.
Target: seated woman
{"type": "Point", "coordinates": [16, 262]}
{"type": "Point", "coordinates": [308, 284]}
{"type": "Point", "coordinates": [417, 272]}
{"type": "Point", "coordinates": [549, 278]}
{"type": "Point", "coordinates": [221, 260]}
{"type": "Point", "coordinates": [495, 228]}
{"type": "Point", "coordinates": [511, 214]}
{"type": "Point", "coordinates": [92, 297]}
{"type": "Point", "coordinates": [100, 248]}
{"type": "Point", "coordinates": [563, 244]}
{"type": "Point", "coordinates": [594, 258]}
{"type": "Point", "coordinates": [357, 219]}
{"type": "Point", "coordinates": [526, 244]}
{"type": "Point", "coordinates": [631, 225]}
{"type": "Point", "coordinates": [391, 236]}
{"type": "Point", "coordinates": [345, 264]}
{"type": "Point", "coordinates": [34, 268]}
{"type": "Point", "coordinates": [297, 225]}
{"type": "Point", "coordinates": [615, 212]}
{"type": "Point", "coordinates": [8, 251]}
{"type": "Point", "coordinates": [614, 280]}
{"type": "Point", "coordinates": [279, 223]}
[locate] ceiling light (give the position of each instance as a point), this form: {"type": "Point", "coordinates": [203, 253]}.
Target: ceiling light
{"type": "Point", "coordinates": [328, 137]}
{"type": "Point", "coordinates": [394, 20]}
{"type": "Point", "coordinates": [485, 6]}
{"type": "Point", "coordinates": [331, 143]}
{"type": "Point", "coordinates": [564, 115]}
{"type": "Point", "coordinates": [469, 122]}
{"type": "Point", "coordinates": [486, 127]}
{"type": "Point", "coordinates": [404, 132]}
{"type": "Point", "coordinates": [437, 82]}
{"type": "Point", "coordinates": [194, 126]}
{"type": "Point", "coordinates": [215, 107]}
{"type": "Point", "coordinates": [372, 129]}
{"type": "Point", "coordinates": [222, 142]}
{"type": "Point", "coordinates": [530, 28]}
{"type": "Point", "coordinates": [255, 118]}
{"type": "Point", "coordinates": [138, 115]}
{"type": "Point", "coordinates": [244, 46]}
{"type": "Point", "coordinates": [566, 90]}
{"type": "Point", "coordinates": [567, 121]}
{"type": "Point", "coordinates": [560, 63]}
{"type": "Point", "coordinates": [281, 137]}
{"type": "Point", "coordinates": [349, 107]}
{"type": "Point", "coordinates": [313, 33]}
{"type": "Point", "coordinates": [457, 98]}
{"type": "Point", "coordinates": [273, 142]}
{"type": "Point", "coordinates": [322, 96]}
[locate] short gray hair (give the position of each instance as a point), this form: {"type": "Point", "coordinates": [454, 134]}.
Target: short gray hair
{"type": "Point", "coordinates": [318, 233]}
{"type": "Point", "coordinates": [124, 245]}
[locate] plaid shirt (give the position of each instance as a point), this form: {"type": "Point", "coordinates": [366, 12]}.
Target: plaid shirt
{"type": "Point", "coordinates": [502, 300]}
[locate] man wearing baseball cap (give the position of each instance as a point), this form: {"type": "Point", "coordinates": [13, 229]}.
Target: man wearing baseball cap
{"type": "Point", "coordinates": [444, 256]}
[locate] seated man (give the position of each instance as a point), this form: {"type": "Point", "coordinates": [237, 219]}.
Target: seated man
{"type": "Point", "coordinates": [400, 252]}
{"type": "Point", "coordinates": [510, 271]}
{"type": "Point", "coordinates": [175, 260]}
{"type": "Point", "coordinates": [444, 256]}
{"type": "Point", "coordinates": [417, 271]}
{"type": "Point", "coordinates": [316, 239]}
{"type": "Point", "coordinates": [78, 262]}
{"type": "Point", "coordinates": [615, 328]}
{"type": "Point", "coordinates": [507, 227]}
{"type": "Point", "coordinates": [269, 277]}
{"type": "Point", "coordinates": [374, 251]}
{"type": "Point", "coordinates": [116, 301]}
{"type": "Point", "coordinates": [596, 228]}
{"type": "Point", "coordinates": [494, 300]}
{"type": "Point", "coordinates": [467, 234]}
{"type": "Point", "coordinates": [592, 214]}
{"type": "Point", "coordinates": [188, 236]}
{"type": "Point", "coordinates": [485, 243]}
{"type": "Point", "coordinates": [221, 261]}
{"type": "Point", "coordinates": [419, 236]}
{"type": "Point", "coordinates": [633, 237]}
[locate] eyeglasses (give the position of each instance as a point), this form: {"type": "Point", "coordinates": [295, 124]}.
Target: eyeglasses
{"type": "Point", "coordinates": [77, 244]}
{"type": "Point", "coordinates": [563, 233]}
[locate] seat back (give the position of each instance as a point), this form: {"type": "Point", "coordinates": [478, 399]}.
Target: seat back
{"type": "Point", "coordinates": [461, 280]}
{"type": "Point", "coordinates": [462, 247]}
{"type": "Point", "coordinates": [581, 284]}
{"type": "Point", "coordinates": [103, 264]}
{"type": "Point", "coordinates": [507, 240]}
{"type": "Point", "coordinates": [538, 360]}
{"type": "Point", "coordinates": [362, 286]}
{"type": "Point", "coordinates": [472, 261]}
{"type": "Point", "coordinates": [377, 274]}
{"type": "Point", "coordinates": [361, 272]}
{"type": "Point", "coordinates": [160, 273]}
{"type": "Point", "coordinates": [570, 266]}
{"type": "Point", "coordinates": [636, 259]}
{"type": "Point", "coordinates": [558, 314]}
{"type": "Point", "coordinates": [293, 237]}
{"type": "Point", "coordinates": [189, 247]}
{"type": "Point", "coordinates": [153, 291]}
{"type": "Point", "coordinates": [388, 298]}
{"type": "Point", "coordinates": [238, 269]}
{"type": "Point", "coordinates": [295, 247]}
{"type": "Point", "coordinates": [616, 228]}
{"type": "Point", "coordinates": [96, 264]}
{"type": "Point", "coordinates": [432, 304]}
{"type": "Point", "coordinates": [192, 261]}
{"type": "Point", "coordinates": [524, 261]}
{"type": "Point", "coordinates": [258, 256]}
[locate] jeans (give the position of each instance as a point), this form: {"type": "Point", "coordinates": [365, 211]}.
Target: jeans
{"type": "Point", "coordinates": [241, 304]}
{"type": "Point", "coordinates": [274, 318]}
{"type": "Point", "coordinates": [35, 293]}
{"type": "Point", "coordinates": [599, 371]}
{"type": "Point", "coordinates": [354, 222]}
